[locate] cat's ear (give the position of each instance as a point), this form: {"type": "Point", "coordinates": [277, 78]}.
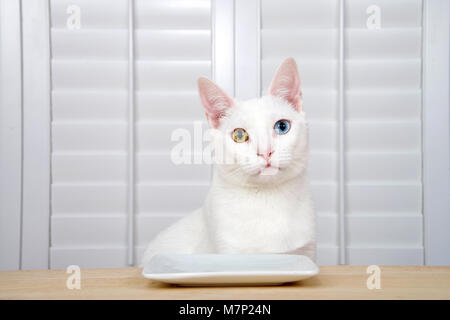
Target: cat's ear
{"type": "Point", "coordinates": [286, 83]}
{"type": "Point", "coordinates": [214, 100]}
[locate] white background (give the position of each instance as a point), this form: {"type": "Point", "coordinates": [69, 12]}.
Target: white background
{"type": "Point", "coordinates": [86, 117]}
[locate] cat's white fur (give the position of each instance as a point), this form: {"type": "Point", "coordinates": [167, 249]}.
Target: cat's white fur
{"type": "Point", "coordinates": [251, 208]}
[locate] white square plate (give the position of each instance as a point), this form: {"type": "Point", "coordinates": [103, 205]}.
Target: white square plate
{"type": "Point", "coordinates": [229, 269]}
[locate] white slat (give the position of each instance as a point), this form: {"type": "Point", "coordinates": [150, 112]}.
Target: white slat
{"type": "Point", "coordinates": [90, 230]}
{"type": "Point", "coordinates": [157, 135]}
{"type": "Point", "coordinates": [10, 135]}
{"type": "Point", "coordinates": [320, 14]}
{"type": "Point", "coordinates": [383, 105]}
{"type": "Point", "coordinates": [301, 43]}
{"type": "Point", "coordinates": [89, 74]}
{"type": "Point", "coordinates": [155, 197]}
{"type": "Point", "coordinates": [381, 230]}
{"type": "Point", "coordinates": [84, 198]}
{"type": "Point", "coordinates": [167, 107]}
{"type": "Point", "coordinates": [170, 75]}
{"type": "Point", "coordinates": [109, 44]}
{"type": "Point", "coordinates": [173, 44]}
{"type": "Point", "coordinates": [88, 105]}
{"type": "Point", "coordinates": [383, 256]}
{"type": "Point", "coordinates": [89, 167]}
{"type": "Point", "coordinates": [173, 14]}
{"type": "Point", "coordinates": [394, 14]}
{"type": "Point", "coordinates": [98, 14]}
{"type": "Point", "coordinates": [394, 198]}
{"type": "Point", "coordinates": [36, 108]}
{"type": "Point", "coordinates": [154, 167]}
{"type": "Point", "coordinates": [325, 196]}
{"type": "Point", "coordinates": [402, 43]}
{"type": "Point", "coordinates": [88, 257]}
{"type": "Point", "coordinates": [382, 136]}
{"type": "Point", "coordinates": [383, 74]}
{"type": "Point", "coordinates": [89, 136]}
{"type": "Point", "coordinates": [379, 167]}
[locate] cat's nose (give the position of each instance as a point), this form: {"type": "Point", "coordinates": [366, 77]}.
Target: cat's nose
{"type": "Point", "coordinates": [266, 155]}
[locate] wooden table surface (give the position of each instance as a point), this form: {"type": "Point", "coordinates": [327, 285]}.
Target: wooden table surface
{"type": "Point", "coordinates": [333, 282]}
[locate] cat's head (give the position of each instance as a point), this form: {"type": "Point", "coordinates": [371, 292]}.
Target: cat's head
{"type": "Point", "coordinates": [262, 140]}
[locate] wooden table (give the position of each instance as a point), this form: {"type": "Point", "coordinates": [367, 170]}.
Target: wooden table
{"type": "Point", "coordinates": [333, 282]}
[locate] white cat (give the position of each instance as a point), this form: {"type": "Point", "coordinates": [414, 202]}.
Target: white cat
{"type": "Point", "coordinates": [260, 202]}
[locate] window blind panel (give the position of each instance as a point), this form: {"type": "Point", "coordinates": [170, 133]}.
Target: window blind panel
{"type": "Point", "coordinates": [322, 105]}
{"type": "Point", "coordinates": [172, 49]}
{"type": "Point", "coordinates": [399, 166]}
{"type": "Point", "coordinates": [388, 197]}
{"type": "Point", "coordinates": [89, 133]}
{"type": "Point", "coordinates": [308, 31]}
{"type": "Point", "coordinates": [324, 196]}
{"type": "Point", "coordinates": [326, 229]}
{"type": "Point", "coordinates": [89, 105]}
{"type": "Point", "coordinates": [170, 75]}
{"type": "Point", "coordinates": [381, 230]}
{"type": "Point", "coordinates": [402, 43]}
{"type": "Point", "coordinates": [322, 136]}
{"type": "Point", "coordinates": [85, 198]}
{"type": "Point", "coordinates": [169, 104]}
{"type": "Point", "coordinates": [154, 198]}
{"type": "Point", "coordinates": [383, 105]}
{"type": "Point", "coordinates": [385, 74]}
{"type": "Point", "coordinates": [383, 133]}
{"type": "Point", "coordinates": [322, 166]}
{"type": "Point", "coordinates": [394, 14]}
{"type": "Point", "coordinates": [173, 44]}
{"type": "Point", "coordinates": [91, 230]}
{"type": "Point", "coordinates": [89, 136]}
{"type": "Point", "coordinates": [160, 167]}
{"type": "Point", "coordinates": [88, 257]}
{"type": "Point", "coordinates": [278, 43]}
{"type": "Point", "coordinates": [80, 167]}
{"type": "Point", "coordinates": [286, 14]}
{"type": "Point", "coordinates": [98, 14]}
{"type": "Point", "coordinates": [86, 75]}
{"type": "Point", "coordinates": [156, 136]}
{"type": "Point", "coordinates": [108, 44]}
{"type": "Point", "coordinates": [173, 14]}
{"type": "Point", "coordinates": [385, 256]}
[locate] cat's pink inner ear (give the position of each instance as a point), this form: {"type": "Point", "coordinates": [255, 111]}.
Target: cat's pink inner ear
{"type": "Point", "coordinates": [286, 84]}
{"type": "Point", "coordinates": [214, 100]}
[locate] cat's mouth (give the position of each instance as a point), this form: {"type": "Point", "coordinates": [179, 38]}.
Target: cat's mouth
{"type": "Point", "coordinates": [268, 170]}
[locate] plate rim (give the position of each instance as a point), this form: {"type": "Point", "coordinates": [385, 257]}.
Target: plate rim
{"type": "Point", "coordinates": [202, 275]}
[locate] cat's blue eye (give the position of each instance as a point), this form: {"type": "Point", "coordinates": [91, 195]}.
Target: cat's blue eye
{"type": "Point", "coordinates": [282, 126]}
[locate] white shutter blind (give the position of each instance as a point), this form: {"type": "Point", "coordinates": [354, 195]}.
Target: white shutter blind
{"type": "Point", "coordinates": [173, 48]}
{"type": "Point", "coordinates": [90, 124]}
{"type": "Point", "coordinates": [382, 76]}
{"type": "Point", "coordinates": [383, 134]}
{"type": "Point", "coordinates": [89, 134]}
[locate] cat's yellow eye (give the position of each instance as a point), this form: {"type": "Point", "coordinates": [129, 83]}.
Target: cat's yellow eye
{"type": "Point", "coordinates": [239, 135]}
